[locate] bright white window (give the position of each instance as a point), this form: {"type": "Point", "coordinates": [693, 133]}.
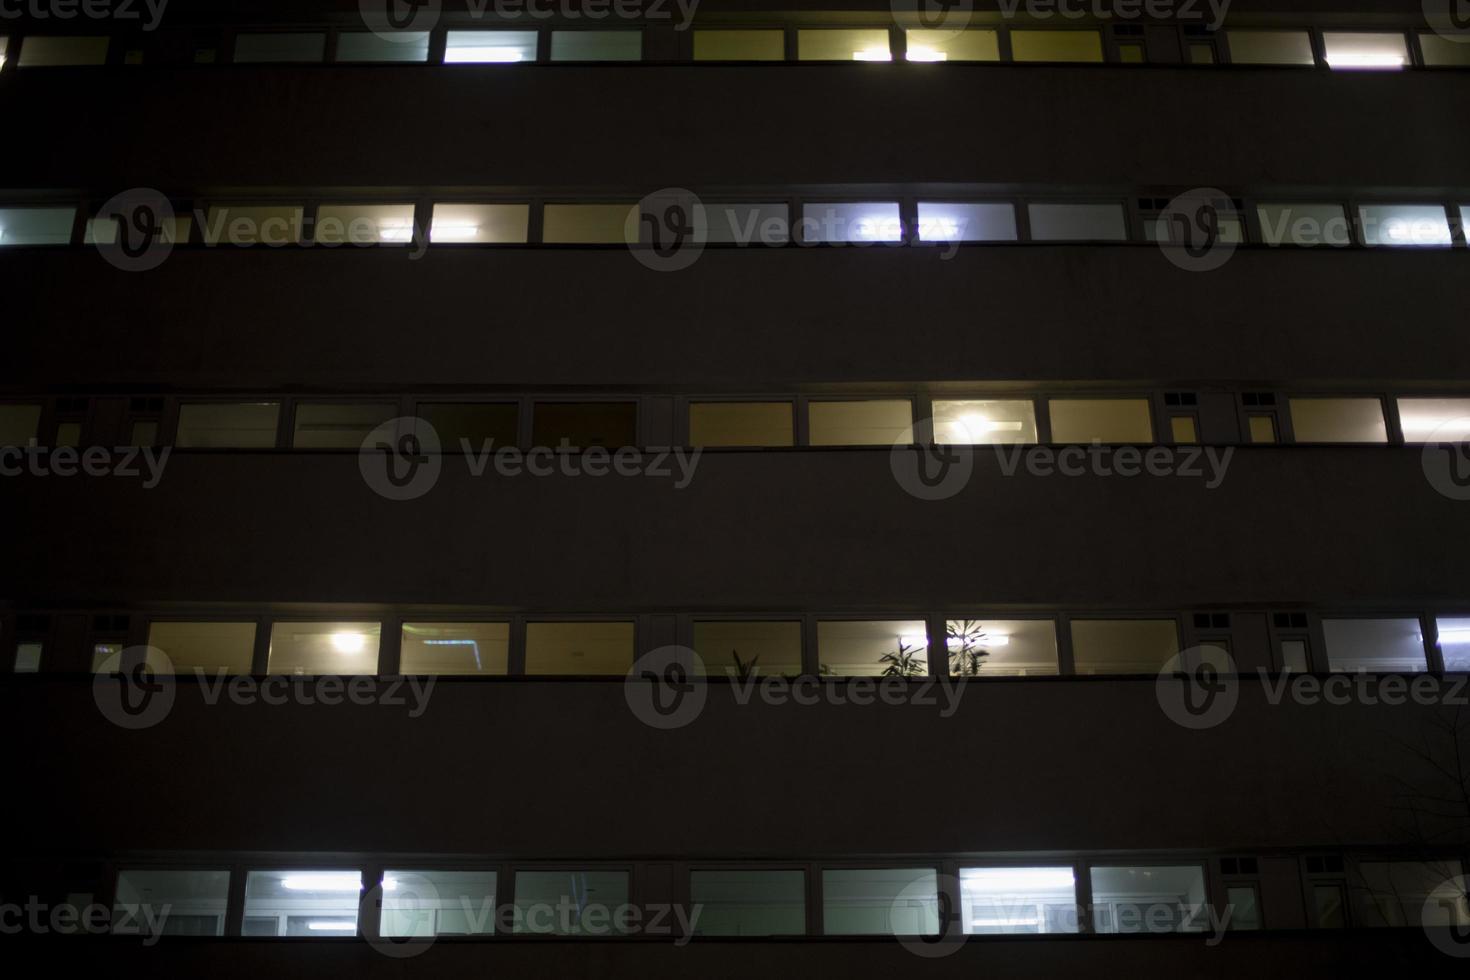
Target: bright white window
{"type": "Point", "coordinates": [36, 226]}
{"type": "Point", "coordinates": [964, 45]}
{"type": "Point", "coordinates": [1002, 901]}
{"type": "Point", "coordinates": [437, 903]}
{"type": "Point", "coordinates": [1353, 50]}
{"type": "Point", "coordinates": [479, 224]}
{"type": "Point", "coordinates": [1167, 898]}
{"type": "Point", "coordinates": [1304, 224]}
{"type": "Point", "coordinates": [1404, 225]}
{"type": "Point", "coordinates": [1435, 419]}
{"type": "Point", "coordinates": [872, 221]}
{"type": "Point", "coordinates": [1454, 642]}
{"type": "Point", "coordinates": [313, 904]}
{"type": "Point", "coordinates": [1382, 645]}
{"type": "Point", "coordinates": [1077, 222]}
{"type": "Point", "coordinates": [489, 47]}
{"type": "Point", "coordinates": [364, 224]}
{"type": "Point", "coordinates": [952, 222]}
{"type": "Point", "coordinates": [975, 421]}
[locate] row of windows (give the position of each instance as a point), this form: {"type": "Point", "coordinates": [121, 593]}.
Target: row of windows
{"type": "Point", "coordinates": [1302, 223]}
{"type": "Point", "coordinates": [1010, 895]}
{"type": "Point", "coordinates": [1169, 418]}
{"type": "Point", "coordinates": [1007, 645]}
{"type": "Point", "coordinates": [1122, 44]}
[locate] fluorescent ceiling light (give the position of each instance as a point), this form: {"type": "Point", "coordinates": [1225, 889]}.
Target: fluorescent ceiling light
{"type": "Point", "coordinates": [979, 423]}
{"type": "Point", "coordinates": [990, 640]}
{"type": "Point", "coordinates": [926, 54]}
{"type": "Point", "coordinates": [493, 55]}
{"type": "Point", "coordinates": [328, 925]}
{"type": "Point", "coordinates": [872, 54]}
{"type": "Point", "coordinates": [325, 881]}
{"type": "Point", "coordinates": [395, 233]}
{"type": "Point", "coordinates": [1366, 59]}
{"type": "Point", "coordinates": [345, 642]}
{"type": "Point", "coordinates": [454, 231]}
{"type": "Point", "coordinates": [1017, 879]}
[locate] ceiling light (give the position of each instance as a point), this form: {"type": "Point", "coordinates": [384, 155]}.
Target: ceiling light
{"type": "Point", "coordinates": [1365, 59]}
{"type": "Point", "coordinates": [454, 231]}
{"type": "Point", "coordinates": [925, 54]}
{"type": "Point", "coordinates": [1017, 879]}
{"type": "Point", "coordinates": [872, 54]}
{"type": "Point", "coordinates": [499, 55]}
{"type": "Point", "coordinates": [395, 233]}
{"type": "Point", "coordinates": [979, 423]}
{"type": "Point", "coordinates": [331, 925]}
{"type": "Point", "coordinates": [345, 642]}
{"type": "Point", "coordinates": [323, 881]}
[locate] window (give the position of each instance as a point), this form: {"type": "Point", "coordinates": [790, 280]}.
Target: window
{"type": "Point", "coordinates": [253, 224]}
{"type": "Point", "coordinates": [103, 231]}
{"type": "Point", "coordinates": [1329, 906]}
{"type": "Point", "coordinates": [589, 224]}
{"type": "Point", "coordinates": [950, 222]}
{"type": "Point", "coordinates": [210, 647]}
{"type": "Point", "coordinates": [4, 50]}
{"type": "Point", "coordinates": [1229, 229]}
{"type": "Point", "coordinates": [170, 903]}
{"type": "Point", "coordinates": [489, 47]}
{"type": "Point", "coordinates": [570, 903]}
{"type": "Point", "coordinates": [873, 221]}
{"type": "Point", "coordinates": [1001, 647]}
{"type": "Point", "coordinates": [1262, 428]}
{"type": "Point", "coordinates": [28, 657]}
{"type": "Point", "coordinates": [1454, 643]}
{"type": "Point", "coordinates": [1337, 420]}
{"type": "Point", "coordinates": [749, 903]}
{"type": "Point", "coordinates": [746, 649]}
{"type": "Point", "coordinates": [455, 648]}
{"type": "Point", "coordinates": [1056, 46]}
{"type": "Point", "coordinates": [740, 424]}
{"type": "Point", "coordinates": [1409, 893]}
{"type": "Point", "coordinates": [1270, 48]}
{"type": "Point", "coordinates": [1405, 225]}
{"type": "Point", "coordinates": [976, 421]}
{"type": "Point", "coordinates": [1304, 224]}
{"type": "Point", "coordinates": [740, 45]}
{"type": "Point", "coordinates": [843, 45]}
{"type": "Point", "coordinates": [41, 51]}
{"type": "Point", "coordinates": [1077, 223]}
{"type": "Point", "coordinates": [884, 422]}
{"type": "Point", "coordinates": [1107, 420]}
{"type": "Point", "coordinates": [746, 224]}
{"type": "Point", "coordinates": [579, 648]}
{"type": "Point", "coordinates": [437, 903]}
{"type": "Point", "coordinates": [472, 426]}
{"type": "Point", "coordinates": [1123, 646]}
{"type": "Point", "coordinates": [880, 902]}
{"type": "Point", "coordinates": [36, 226]}
{"type": "Point", "coordinates": [410, 46]}
{"type": "Point", "coordinates": [1182, 430]}
{"type": "Point", "coordinates": [318, 904]}
{"type": "Point", "coordinates": [240, 425]}
{"type": "Point", "coordinates": [312, 649]}
{"type": "Point", "coordinates": [578, 425]}
{"type": "Point", "coordinates": [872, 648]}
{"type": "Point", "coordinates": [977, 45]}
{"type": "Point", "coordinates": [328, 425]}
{"type": "Point", "coordinates": [1440, 52]}
{"type": "Point", "coordinates": [1149, 899]}
{"type": "Point", "coordinates": [1378, 645]}
{"type": "Point", "coordinates": [18, 424]}
{"type": "Point", "coordinates": [596, 45]}
{"type": "Point", "coordinates": [1365, 50]}
{"type": "Point", "coordinates": [999, 901]}
{"type": "Point", "coordinates": [363, 224]}
{"type": "Point", "coordinates": [479, 224]}
{"type": "Point", "coordinates": [1435, 419]}
{"type": "Point", "coordinates": [1244, 904]}
{"type": "Point", "coordinates": [254, 48]}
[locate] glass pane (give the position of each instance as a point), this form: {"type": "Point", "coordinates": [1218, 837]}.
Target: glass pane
{"type": "Point", "coordinates": [1270, 48]}
{"type": "Point", "coordinates": [28, 657]}
{"type": "Point", "coordinates": [1294, 655]}
{"type": "Point", "coordinates": [1245, 908]}
{"type": "Point", "coordinates": [747, 224]}
{"type": "Point", "coordinates": [596, 45]}
{"type": "Point", "coordinates": [479, 224]}
{"type": "Point", "coordinates": [210, 647]}
{"type": "Point", "coordinates": [279, 47]}
{"type": "Point", "coordinates": [1149, 899]}
{"type": "Point", "coordinates": [1409, 893]}
{"type": "Point", "coordinates": [143, 434]}
{"type": "Point", "coordinates": [412, 46]}
{"type": "Point", "coordinates": [1330, 907]}
{"type": "Point", "coordinates": [68, 434]}
{"type": "Point", "coordinates": [437, 903]}
{"type": "Point", "coordinates": [1182, 429]}
{"type": "Point", "coordinates": [1123, 646]}
{"type": "Point", "coordinates": [36, 226]}
{"type": "Point", "coordinates": [1444, 51]}
{"type": "Point", "coordinates": [1365, 50]}
{"type": "Point", "coordinates": [470, 426]}
{"type": "Point", "coordinates": [582, 424]}
{"type": "Point", "coordinates": [979, 45]}
{"type": "Point", "coordinates": [998, 901]}
{"type": "Point", "coordinates": [946, 222]}
{"type": "Point", "coordinates": [107, 655]}
{"type": "Point", "coordinates": [243, 425]}
{"type": "Point", "coordinates": [749, 903]}
{"type": "Point", "coordinates": [842, 45]}
{"type": "Point", "coordinates": [1262, 428]}
{"type": "Point", "coordinates": [570, 903]}
{"type": "Point", "coordinates": [18, 424]}
{"type": "Point", "coordinates": [1435, 419]}
{"type": "Point", "coordinates": [589, 224]}
{"type": "Point", "coordinates": [1001, 647]}
{"type": "Point", "coordinates": [851, 222]}
{"type": "Point", "coordinates": [861, 423]}
{"type": "Point", "coordinates": [489, 47]}
{"type": "Point", "coordinates": [338, 426]}
{"type": "Point", "coordinates": [253, 224]}
{"type": "Point", "coordinates": [880, 902]}
{"type": "Point", "coordinates": [1056, 46]}
{"type": "Point", "coordinates": [1201, 54]}
{"type": "Point", "coordinates": [579, 648]}
{"type": "Point", "coordinates": [171, 903]}
{"type": "Point", "coordinates": [1405, 225]}
{"type": "Point", "coordinates": [1387, 645]}
{"type": "Point", "coordinates": [975, 421]}
{"type": "Point", "coordinates": [740, 424]}
{"type": "Point", "coordinates": [744, 649]}
{"type": "Point", "coordinates": [740, 45]}
{"type": "Point", "coordinates": [40, 51]}
{"type": "Point", "coordinates": [1107, 420]}
{"type": "Point", "coordinates": [872, 648]}
{"type": "Point", "coordinates": [1338, 420]}
{"type": "Point", "coordinates": [1454, 643]}
{"type": "Point", "coordinates": [1304, 224]}
{"type": "Point", "coordinates": [455, 648]}
{"type": "Point", "coordinates": [1229, 230]}
{"type": "Point", "coordinates": [324, 648]}
{"type": "Point", "coordinates": [1077, 222]}
{"type": "Point", "coordinates": [318, 904]}
{"type": "Point", "coordinates": [363, 224]}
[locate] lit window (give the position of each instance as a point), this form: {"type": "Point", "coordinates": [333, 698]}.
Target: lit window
{"type": "Point", "coordinates": [4, 50]}
{"type": "Point", "coordinates": [843, 45]}
{"type": "Point", "coordinates": [1338, 420]}
{"type": "Point", "coordinates": [974, 421]}
{"type": "Point", "coordinates": [876, 221]}
{"type": "Point", "coordinates": [280, 47]}
{"type": "Point", "coordinates": [253, 224]}
{"type": "Point", "coordinates": [42, 51]}
{"type": "Point", "coordinates": [103, 231]}
{"type": "Point", "coordinates": [437, 903]}
{"type": "Point", "coordinates": [1004, 901]}
{"type": "Point", "coordinates": [317, 904]}
{"type": "Point", "coordinates": [1435, 419]}
{"type": "Point", "coordinates": [409, 46]}
{"type": "Point", "coordinates": [1183, 430]}
{"type": "Point", "coordinates": [881, 422]}
{"type": "Point", "coordinates": [18, 424]}
{"type": "Point", "coordinates": [873, 648]}
{"type": "Point", "coordinates": [1077, 222]}
{"type": "Point", "coordinates": [455, 648]}
{"type": "Point", "coordinates": [579, 648]}
{"type": "Point", "coordinates": [589, 224]}
{"type": "Point", "coordinates": [312, 649]}
{"type": "Point", "coordinates": [364, 224]}
{"type": "Point", "coordinates": [977, 45]}
{"type": "Point", "coordinates": [950, 222]}
{"type": "Point", "coordinates": [1056, 46]}
{"type": "Point", "coordinates": [570, 903]}
{"type": "Point", "coordinates": [1375, 645]}
{"type": "Point", "coordinates": [1270, 48]}
{"type": "Point", "coordinates": [596, 45]}
{"type": "Point", "coordinates": [1123, 646]}
{"type": "Point", "coordinates": [740, 424]}
{"type": "Point", "coordinates": [28, 657]}
{"type": "Point", "coordinates": [1454, 643]}
{"type": "Point", "coordinates": [36, 226]}
{"type": "Point", "coordinates": [170, 903]}
{"type": "Point", "coordinates": [1421, 894]}
{"type": "Point", "coordinates": [578, 425]}
{"type": "Point", "coordinates": [471, 426]}
{"type": "Point", "coordinates": [209, 647]}
{"type": "Point", "coordinates": [341, 426]}
{"type": "Point", "coordinates": [1001, 647]}
{"type": "Point", "coordinates": [880, 902]}
{"type": "Point", "coordinates": [746, 224]}
{"type": "Point", "coordinates": [1262, 428]}
{"type": "Point", "coordinates": [489, 47]}
{"type": "Point", "coordinates": [748, 649]}
{"type": "Point", "coordinates": [1444, 52]}
{"type": "Point", "coordinates": [764, 45]}
{"type": "Point", "coordinates": [1365, 50]}
{"type": "Point", "coordinates": [1106, 420]}
{"type": "Point", "coordinates": [1304, 224]}
{"type": "Point", "coordinates": [479, 224]}
{"type": "Point", "coordinates": [1405, 225]}
{"type": "Point", "coordinates": [1149, 899]}
{"type": "Point", "coordinates": [749, 903]}
{"type": "Point", "coordinates": [238, 425]}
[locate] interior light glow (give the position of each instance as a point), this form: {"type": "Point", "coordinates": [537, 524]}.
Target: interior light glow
{"type": "Point", "coordinates": [991, 640]}
{"type": "Point", "coordinates": [926, 54]}
{"type": "Point", "coordinates": [1452, 426]}
{"type": "Point", "coordinates": [1017, 879]}
{"type": "Point", "coordinates": [974, 422]}
{"type": "Point", "coordinates": [496, 55]}
{"type": "Point", "coordinates": [326, 881]}
{"type": "Point", "coordinates": [395, 233]}
{"type": "Point", "coordinates": [1365, 59]}
{"type": "Point", "coordinates": [877, 229]}
{"type": "Point", "coordinates": [454, 231]}
{"type": "Point", "coordinates": [939, 229]}
{"type": "Point", "coordinates": [872, 54]}
{"type": "Point", "coordinates": [345, 642]}
{"type": "Point", "coordinates": [1455, 635]}
{"type": "Point", "coordinates": [327, 925]}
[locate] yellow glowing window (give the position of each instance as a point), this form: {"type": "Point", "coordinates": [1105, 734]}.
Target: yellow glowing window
{"type": "Point", "coordinates": [843, 45]}
{"type": "Point", "coordinates": [763, 45]}
{"type": "Point", "coordinates": [740, 424]}
{"type": "Point", "coordinates": [1107, 420]}
{"type": "Point", "coordinates": [1056, 46]}
{"type": "Point", "coordinates": [978, 45]}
